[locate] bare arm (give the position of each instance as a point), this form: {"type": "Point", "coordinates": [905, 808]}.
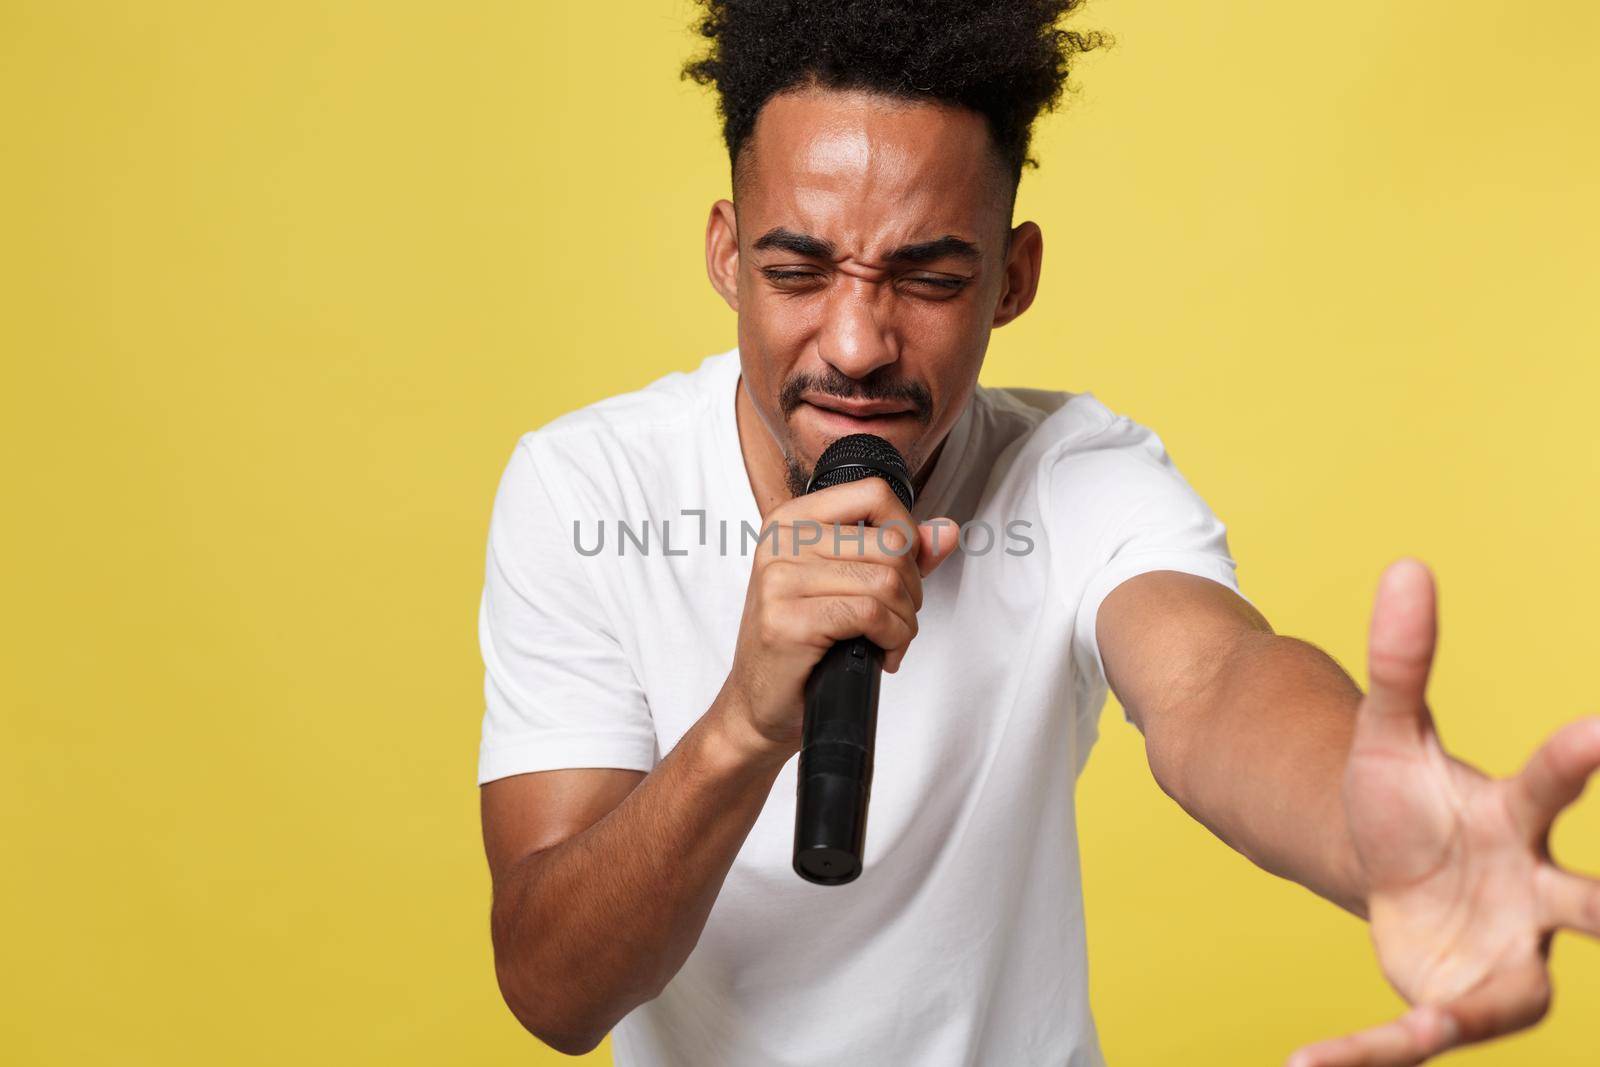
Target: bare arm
{"type": "Point", "coordinates": [1247, 730]}
{"type": "Point", "coordinates": [1266, 740]}
{"type": "Point", "coordinates": [604, 878]}
{"type": "Point", "coordinates": [588, 928]}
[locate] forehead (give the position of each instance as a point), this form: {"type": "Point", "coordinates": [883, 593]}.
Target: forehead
{"type": "Point", "coordinates": [865, 170]}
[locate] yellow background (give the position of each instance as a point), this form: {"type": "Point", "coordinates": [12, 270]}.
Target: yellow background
{"type": "Point", "coordinates": [282, 283]}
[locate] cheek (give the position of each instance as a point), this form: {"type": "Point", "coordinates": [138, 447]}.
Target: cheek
{"type": "Point", "coordinates": [945, 326]}
{"type": "Point", "coordinates": [775, 333]}
{"type": "Point", "coordinates": [779, 318]}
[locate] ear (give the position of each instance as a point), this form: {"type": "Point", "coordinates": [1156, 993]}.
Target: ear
{"type": "Point", "coordinates": [1021, 282]}
{"type": "Point", "coordinates": [722, 252]}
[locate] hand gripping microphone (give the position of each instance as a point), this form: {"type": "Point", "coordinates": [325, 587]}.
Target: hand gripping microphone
{"type": "Point", "coordinates": [841, 708]}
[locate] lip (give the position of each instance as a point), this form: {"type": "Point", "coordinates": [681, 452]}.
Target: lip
{"type": "Point", "coordinates": [858, 409]}
{"type": "Point", "coordinates": [833, 424]}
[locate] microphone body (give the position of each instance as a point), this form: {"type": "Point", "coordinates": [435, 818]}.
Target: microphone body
{"type": "Point", "coordinates": [834, 783]}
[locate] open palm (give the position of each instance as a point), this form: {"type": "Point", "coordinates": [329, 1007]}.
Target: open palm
{"type": "Point", "coordinates": [1463, 896]}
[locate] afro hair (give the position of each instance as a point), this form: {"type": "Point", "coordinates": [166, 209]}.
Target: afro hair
{"type": "Point", "coordinates": [1005, 59]}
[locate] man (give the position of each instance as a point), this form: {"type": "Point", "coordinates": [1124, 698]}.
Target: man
{"type": "Point", "coordinates": [645, 697]}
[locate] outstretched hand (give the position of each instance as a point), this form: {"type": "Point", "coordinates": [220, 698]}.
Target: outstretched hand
{"type": "Point", "coordinates": [1463, 895]}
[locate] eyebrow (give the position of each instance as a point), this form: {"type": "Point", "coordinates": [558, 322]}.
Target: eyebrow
{"type": "Point", "coordinates": [803, 244]}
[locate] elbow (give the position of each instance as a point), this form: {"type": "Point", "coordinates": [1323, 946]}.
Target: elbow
{"type": "Point", "coordinates": [549, 995]}
{"type": "Point", "coordinates": [547, 1020]}
{"type": "Point", "coordinates": [574, 1030]}
{"type": "Point", "coordinates": [546, 998]}
{"type": "Point", "coordinates": [535, 1004]}
{"type": "Point", "coordinates": [1164, 750]}
{"type": "Point", "coordinates": [570, 1044]}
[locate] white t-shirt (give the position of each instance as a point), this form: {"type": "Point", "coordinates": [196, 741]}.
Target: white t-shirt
{"type": "Point", "coordinates": [962, 941]}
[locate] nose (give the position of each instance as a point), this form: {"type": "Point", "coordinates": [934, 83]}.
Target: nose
{"type": "Point", "coordinates": [854, 338]}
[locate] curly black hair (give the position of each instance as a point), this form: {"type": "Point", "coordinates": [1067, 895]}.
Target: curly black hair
{"type": "Point", "coordinates": [1005, 59]}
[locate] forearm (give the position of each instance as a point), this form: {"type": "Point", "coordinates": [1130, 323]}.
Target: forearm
{"type": "Point", "coordinates": [1259, 759]}
{"type": "Point", "coordinates": [589, 929]}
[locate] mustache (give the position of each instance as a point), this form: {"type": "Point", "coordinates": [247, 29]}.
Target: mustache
{"type": "Point", "coordinates": [873, 387]}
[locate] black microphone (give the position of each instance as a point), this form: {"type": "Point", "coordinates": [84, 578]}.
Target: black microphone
{"type": "Point", "coordinates": [841, 710]}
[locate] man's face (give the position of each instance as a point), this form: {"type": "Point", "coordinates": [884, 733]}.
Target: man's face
{"type": "Point", "coordinates": [868, 262]}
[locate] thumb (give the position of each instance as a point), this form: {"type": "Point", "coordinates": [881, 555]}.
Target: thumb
{"type": "Point", "coordinates": [1400, 648]}
{"type": "Point", "coordinates": [937, 539]}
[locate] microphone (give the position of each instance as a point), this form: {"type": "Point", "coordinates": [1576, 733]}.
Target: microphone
{"type": "Point", "coordinates": [841, 701]}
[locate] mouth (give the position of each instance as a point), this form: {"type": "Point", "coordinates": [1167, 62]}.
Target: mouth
{"type": "Point", "coordinates": [859, 413]}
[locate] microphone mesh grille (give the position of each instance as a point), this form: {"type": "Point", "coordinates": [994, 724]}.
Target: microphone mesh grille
{"type": "Point", "coordinates": [863, 455]}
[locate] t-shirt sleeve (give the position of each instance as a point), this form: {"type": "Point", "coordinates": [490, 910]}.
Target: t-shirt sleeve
{"type": "Point", "coordinates": [559, 690]}
{"type": "Point", "coordinates": [1131, 511]}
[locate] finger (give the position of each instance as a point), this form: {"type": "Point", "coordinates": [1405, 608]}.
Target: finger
{"type": "Point", "coordinates": [895, 545]}
{"type": "Point", "coordinates": [938, 539]}
{"type": "Point", "coordinates": [887, 547]}
{"type": "Point", "coordinates": [847, 540]}
{"type": "Point", "coordinates": [837, 618]}
{"type": "Point", "coordinates": [1569, 901]}
{"type": "Point", "coordinates": [1507, 1001]}
{"type": "Point", "coordinates": [1420, 1033]}
{"type": "Point", "coordinates": [874, 555]}
{"type": "Point", "coordinates": [1554, 776]}
{"type": "Point", "coordinates": [1400, 648]}
{"type": "Point", "coordinates": [845, 577]}
{"type": "Point", "coordinates": [866, 498]}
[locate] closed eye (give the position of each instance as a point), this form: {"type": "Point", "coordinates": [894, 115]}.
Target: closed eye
{"type": "Point", "coordinates": [791, 278]}
{"type": "Point", "coordinates": [934, 287]}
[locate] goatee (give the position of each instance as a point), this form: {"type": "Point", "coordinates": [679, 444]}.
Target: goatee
{"type": "Point", "coordinates": [796, 475]}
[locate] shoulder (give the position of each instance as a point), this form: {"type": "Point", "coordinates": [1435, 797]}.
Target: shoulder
{"type": "Point", "coordinates": [639, 422]}
{"type": "Point", "coordinates": [1054, 429]}
{"type": "Point", "coordinates": [1093, 470]}
{"type": "Point", "coordinates": [628, 453]}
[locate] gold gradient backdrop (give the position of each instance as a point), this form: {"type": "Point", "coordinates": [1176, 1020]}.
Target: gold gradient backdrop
{"type": "Point", "coordinates": [283, 283]}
